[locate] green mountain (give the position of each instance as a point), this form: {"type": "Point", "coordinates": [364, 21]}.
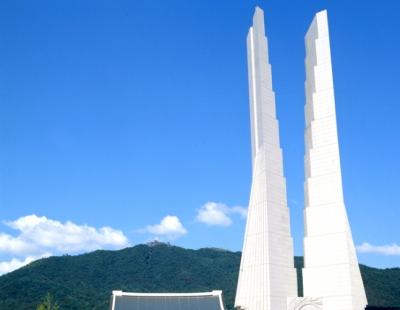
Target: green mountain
{"type": "Point", "coordinates": [86, 281]}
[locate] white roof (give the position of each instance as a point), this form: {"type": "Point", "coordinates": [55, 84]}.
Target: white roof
{"type": "Point", "coordinates": [158, 301]}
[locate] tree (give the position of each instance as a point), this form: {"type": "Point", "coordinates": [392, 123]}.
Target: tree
{"type": "Point", "coordinates": [48, 303]}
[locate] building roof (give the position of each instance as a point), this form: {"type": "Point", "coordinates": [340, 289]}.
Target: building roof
{"type": "Point", "coordinates": [166, 301]}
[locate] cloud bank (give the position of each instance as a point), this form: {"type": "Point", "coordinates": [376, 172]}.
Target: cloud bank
{"type": "Point", "coordinates": [392, 249]}
{"type": "Point", "coordinates": [219, 214]}
{"type": "Point", "coordinates": [38, 236]}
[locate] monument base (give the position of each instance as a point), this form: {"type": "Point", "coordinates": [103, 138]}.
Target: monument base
{"type": "Point", "coordinates": [304, 303]}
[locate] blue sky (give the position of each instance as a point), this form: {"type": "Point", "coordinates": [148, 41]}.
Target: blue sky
{"type": "Point", "coordinates": [123, 113]}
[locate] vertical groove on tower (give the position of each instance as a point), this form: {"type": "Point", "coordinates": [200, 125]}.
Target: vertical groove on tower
{"type": "Point", "coordinates": [331, 268]}
{"type": "Point", "coordinates": [267, 275]}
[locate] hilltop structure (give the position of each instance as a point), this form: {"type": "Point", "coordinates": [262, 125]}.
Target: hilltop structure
{"type": "Point", "coordinates": [267, 274]}
{"type": "Point", "coordinates": [267, 278]}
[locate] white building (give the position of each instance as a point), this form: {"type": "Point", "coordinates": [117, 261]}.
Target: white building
{"type": "Point", "coordinates": [166, 301]}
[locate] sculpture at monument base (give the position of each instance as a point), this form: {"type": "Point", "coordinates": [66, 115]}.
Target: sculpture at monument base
{"type": "Point", "coordinates": [304, 303]}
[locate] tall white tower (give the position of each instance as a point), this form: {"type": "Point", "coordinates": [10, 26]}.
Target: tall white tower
{"type": "Point", "coordinates": [267, 274]}
{"type": "Point", "coordinates": [331, 269]}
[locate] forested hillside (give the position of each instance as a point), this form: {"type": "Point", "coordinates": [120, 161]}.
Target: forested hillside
{"type": "Point", "coordinates": [86, 281]}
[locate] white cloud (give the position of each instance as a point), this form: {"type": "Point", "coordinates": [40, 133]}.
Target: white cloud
{"type": "Point", "coordinates": [14, 245]}
{"type": "Point", "coordinates": [218, 214]}
{"type": "Point", "coordinates": [392, 249]}
{"type": "Point", "coordinates": [170, 227]}
{"type": "Point", "coordinates": [38, 234]}
{"type": "Point", "coordinates": [15, 263]}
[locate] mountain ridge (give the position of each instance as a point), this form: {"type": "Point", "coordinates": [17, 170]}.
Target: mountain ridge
{"type": "Point", "coordinates": [86, 281]}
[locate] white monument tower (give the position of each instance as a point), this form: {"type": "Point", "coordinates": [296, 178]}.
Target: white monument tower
{"type": "Point", "coordinates": [267, 274]}
{"type": "Point", "coordinates": [331, 269]}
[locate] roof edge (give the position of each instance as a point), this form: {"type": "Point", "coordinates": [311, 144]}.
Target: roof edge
{"type": "Point", "coordinates": [212, 293]}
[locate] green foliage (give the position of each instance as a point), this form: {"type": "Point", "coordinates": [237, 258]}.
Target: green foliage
{"type": "Point", "coordinates": [382, 286]}
{"type": "Point", "coordinates": [86, 281]}
{"type": "Point", "coordinates": [48, 304]}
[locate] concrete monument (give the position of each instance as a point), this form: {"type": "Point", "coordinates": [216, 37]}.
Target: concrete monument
{"type": "Point", "coordinates": [331, 268]}
{"type": "Point", "coordinates": [331, 275]}
{"type": "Point", "coordinates": [267, 274]}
